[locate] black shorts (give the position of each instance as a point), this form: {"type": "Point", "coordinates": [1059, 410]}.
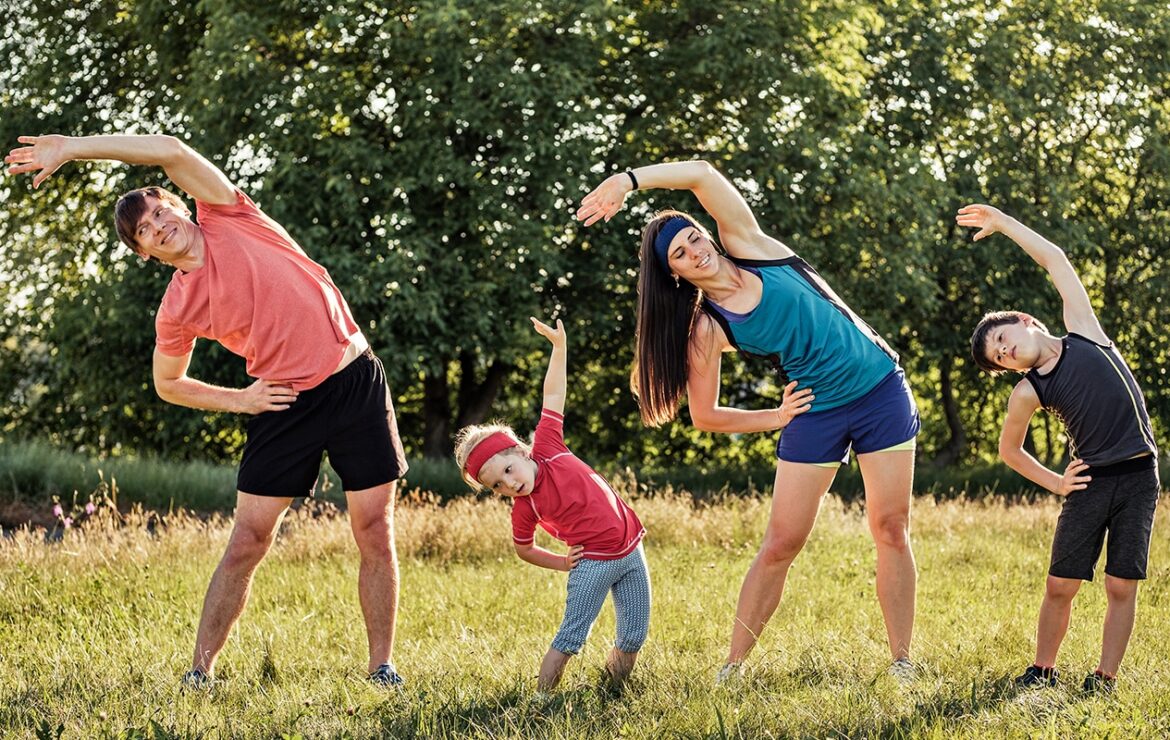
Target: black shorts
{"type": "Point", "coordinates": [349, 415]}
{"type": "Point", "coordinates": [1120, 500]}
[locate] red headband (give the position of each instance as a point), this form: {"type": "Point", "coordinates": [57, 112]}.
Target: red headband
{"type": "Point", "coordinates": [485, 450]}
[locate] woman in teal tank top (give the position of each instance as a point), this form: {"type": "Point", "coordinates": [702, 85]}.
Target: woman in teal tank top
{"type": "Point", "coordinates": [697, 300]}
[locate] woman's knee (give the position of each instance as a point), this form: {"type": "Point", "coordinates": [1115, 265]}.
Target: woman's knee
{"type": "Point", "coordinates": [780, 548]}
{"type": "Point", "coordinates": [892, 531]}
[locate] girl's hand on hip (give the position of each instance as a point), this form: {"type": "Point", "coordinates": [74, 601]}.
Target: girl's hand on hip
{"type": "Point", "coordinates": [573, 556]}
{"type": "Point", "coordinates": [605, 200]}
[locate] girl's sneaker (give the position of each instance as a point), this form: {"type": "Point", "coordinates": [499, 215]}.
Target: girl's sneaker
{"type": "Point", "coordinates": [1036, 677]}
{"type": "Point", "coordinates": [197, 680]}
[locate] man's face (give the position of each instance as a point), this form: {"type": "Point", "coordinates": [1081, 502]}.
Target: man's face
{"type": "Point", "coordinates": [165, 231]}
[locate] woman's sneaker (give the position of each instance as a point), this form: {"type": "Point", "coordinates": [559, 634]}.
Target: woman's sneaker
{"type": "Point", "coordinates": [729, 675]}
{"type": "Point", "coordinates": [1036, 677]}
{"type": "Point", "coordinates": [387, 676]}
{"type": "Point", "coordinates": [1099, 683]}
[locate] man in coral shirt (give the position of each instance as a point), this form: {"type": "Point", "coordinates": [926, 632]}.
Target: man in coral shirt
{"type": "Point", "coordinates": [241, 280]}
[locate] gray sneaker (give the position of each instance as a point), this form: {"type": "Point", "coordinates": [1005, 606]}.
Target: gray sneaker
{"type": "Point", "coordinates": [196, 680]}
{"type": "Point", "coordinates": [387, 676]}
{"type": "Point", "coordinates": [729, 675]}
{"type": "Point", "coordinates": [903, 670]}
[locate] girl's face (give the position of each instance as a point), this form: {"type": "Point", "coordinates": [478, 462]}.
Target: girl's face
{"type": "Point", "coordinates": [692, 256]}
{"type": "Point", "coordinates": [509, 473]}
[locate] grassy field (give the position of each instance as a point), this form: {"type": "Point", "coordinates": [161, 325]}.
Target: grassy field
{"type": "Point", "coordinates": [96, 628]}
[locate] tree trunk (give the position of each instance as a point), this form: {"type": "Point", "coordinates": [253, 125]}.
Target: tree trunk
{"type": "Point", "coordinates": [953, 449]}
{"type": "Point", "coordinates": [436, 415]}
{"type": "Point", "coordinates": [476, 399]}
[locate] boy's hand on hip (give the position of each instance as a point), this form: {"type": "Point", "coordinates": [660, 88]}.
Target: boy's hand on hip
{"type": "Point", "coordinates": [1072, 480]}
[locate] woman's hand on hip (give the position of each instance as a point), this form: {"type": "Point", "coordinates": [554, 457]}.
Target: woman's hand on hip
{"type": "Point", "coordinates": [795, 403]}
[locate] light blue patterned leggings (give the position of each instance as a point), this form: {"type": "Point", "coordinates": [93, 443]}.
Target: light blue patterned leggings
{"type": "Point", "coordinates": [589, 582]}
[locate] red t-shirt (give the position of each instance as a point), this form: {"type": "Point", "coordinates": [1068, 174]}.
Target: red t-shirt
{"type": "Point", "coordinates": [571, 502]}
{"type": "Point", "coordinates": [260, 296]}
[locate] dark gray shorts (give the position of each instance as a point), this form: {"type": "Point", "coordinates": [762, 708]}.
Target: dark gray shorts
{"type": "Point", "coordinates": [350, 415]}
{"type": "Point", "coordinates": [1120, 500]}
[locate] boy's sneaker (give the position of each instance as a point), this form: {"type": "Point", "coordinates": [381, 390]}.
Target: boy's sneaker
{"type": "Point", "coordinates": [1099, 683]}
{"type": "Point", "coordinates": [197, 680]}
{"type": "Point", "coordinates": [729, 675]}
{"type": "Point", "coordinates": [1036, 677]}
{"type": "Point", "coordinates": [387, 676]}
{"type": "Point", "coordinates": [903, 670]}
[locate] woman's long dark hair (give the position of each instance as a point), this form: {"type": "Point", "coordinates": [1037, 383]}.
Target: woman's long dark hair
{"type": "Point", "coordinates": [666, 315]}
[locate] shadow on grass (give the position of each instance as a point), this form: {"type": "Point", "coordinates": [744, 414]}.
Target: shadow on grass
{"type": "Point", "coordinates": [516, 711]}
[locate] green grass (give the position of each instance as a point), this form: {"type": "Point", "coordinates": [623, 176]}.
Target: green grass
{"type": "Point", "coordinates": [34, 472]}
{"type": "Point", "coordinates": [96, 628]}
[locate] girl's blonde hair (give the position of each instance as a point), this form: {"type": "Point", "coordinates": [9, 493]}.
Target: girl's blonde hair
{"type": "Point", "coordinates": [470, 436]}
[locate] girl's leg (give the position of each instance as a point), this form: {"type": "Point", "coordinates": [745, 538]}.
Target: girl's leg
{"type": "Point", "coordinates": [796, 497]}
{"type": "Point", "coordinates": [1119, 616]}
{"type": "Point", "coordinates": [631, 605]}
{"type": "Point", "coordinates": [1054, 614]}
{"type": "Point", "coordinates": [551, 669]}
{"type": "Point", "coordinates": [889, 479]}
{"type": "Point", "coordinates": [588, 585]}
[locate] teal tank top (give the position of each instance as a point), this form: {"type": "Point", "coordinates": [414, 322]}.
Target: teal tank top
{"type": "Point", "coordinates": [808, 333]}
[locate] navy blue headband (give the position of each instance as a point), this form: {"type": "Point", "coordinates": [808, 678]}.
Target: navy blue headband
{"type": "Point", "coordinates": [666, 235]}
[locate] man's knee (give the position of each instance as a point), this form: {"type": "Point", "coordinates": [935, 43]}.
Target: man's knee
{"type": "Point", "coordinates": [247, 547]}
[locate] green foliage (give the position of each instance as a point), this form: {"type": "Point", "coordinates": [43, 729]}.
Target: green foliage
{"type": "Point", "coordinates": [429, 156]}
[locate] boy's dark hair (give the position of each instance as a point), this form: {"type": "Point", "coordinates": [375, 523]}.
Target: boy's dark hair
{"type": "Point", "coordinates": [983, 329]}
{"type": "Point", "coordinates": [130, 207]}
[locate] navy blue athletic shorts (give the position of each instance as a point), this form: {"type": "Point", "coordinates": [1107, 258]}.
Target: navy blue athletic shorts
{"type": "Point", "coordinates": [885, 417]}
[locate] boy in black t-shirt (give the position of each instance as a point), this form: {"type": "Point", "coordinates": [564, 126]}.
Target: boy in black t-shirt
{"type": "Point", "coordinates": [1110, 485]}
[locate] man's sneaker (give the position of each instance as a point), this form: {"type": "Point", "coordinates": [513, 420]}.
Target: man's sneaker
{"type": "Point", "coordinates": [1099, 683]}
{"type": "Point", "coordinates": [1036, 677]}
{"type": "Point", "coordinates": [903, 670]}
{"type": "Point", "coordinates": [387, 676]}
{"type": "Point", "coordinates": [729, 674]}
{"type": "Point", "coordinates": [197, 680]}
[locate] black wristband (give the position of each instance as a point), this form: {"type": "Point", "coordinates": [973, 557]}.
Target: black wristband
{"type": "Point", "coordinates": [633, 179]}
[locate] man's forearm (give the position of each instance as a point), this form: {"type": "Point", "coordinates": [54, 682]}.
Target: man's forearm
{"type": "Point", "coordinates": [128, 148]}
{"type": "Point", "coordinates": [196, 394]}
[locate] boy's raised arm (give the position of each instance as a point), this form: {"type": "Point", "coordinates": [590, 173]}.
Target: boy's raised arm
{"type": "Point", "coordinates": [1078, 312]}
{"type": "Point", "coordinates": [555, 379]}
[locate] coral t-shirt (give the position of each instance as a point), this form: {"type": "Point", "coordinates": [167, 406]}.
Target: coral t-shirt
{"type": "Point", "coordinates": [259, 296]}
{"type": "Point", "coordinates": [572, 502]}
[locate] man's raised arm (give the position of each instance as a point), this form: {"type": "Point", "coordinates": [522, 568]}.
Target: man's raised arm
{"type": "Point", "coordinates": [186, 168]}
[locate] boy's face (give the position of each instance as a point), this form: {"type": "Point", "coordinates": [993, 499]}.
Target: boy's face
{"type": "Point", "coordinates": [509, 473]}
{"type": "Point", "coordinates": [1014, 346]}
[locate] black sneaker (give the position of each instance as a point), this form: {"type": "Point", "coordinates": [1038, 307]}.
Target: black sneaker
{"type": "Point", "coordinates": [1098, 683]}
{"type": "Point", "coordinates": [387, 676]}
{"type": "Point", "coordinates": [1036, 677]}
{"type": "Point", "coordinates": [197, 680]}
